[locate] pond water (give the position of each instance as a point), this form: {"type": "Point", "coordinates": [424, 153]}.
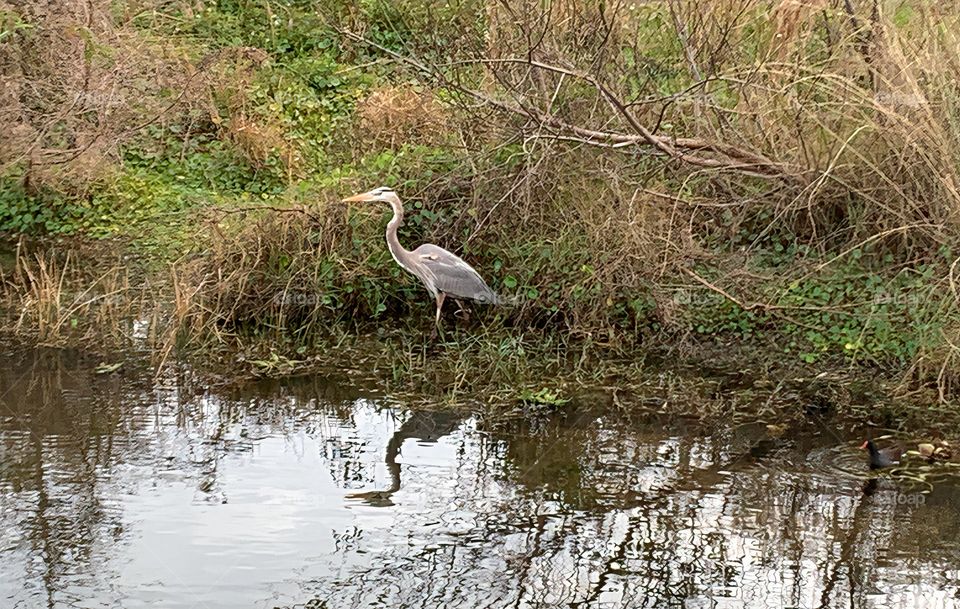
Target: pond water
{"type": "Point", "coordinates": [121, 490]}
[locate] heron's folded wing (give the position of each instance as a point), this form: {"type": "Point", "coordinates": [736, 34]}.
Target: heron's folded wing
{"type": "Point", "coordinates": [453, 276]}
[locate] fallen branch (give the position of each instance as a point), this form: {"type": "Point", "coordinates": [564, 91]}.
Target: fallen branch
{"type": "Point", "coordinates": [226, 211]}
{"type": "Point", "coordinates": [773, 309]}
{"type": "Point", "coordinates": [680, 149]}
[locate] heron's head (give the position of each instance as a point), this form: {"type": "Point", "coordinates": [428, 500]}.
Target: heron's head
{"type": "Point", "coordinates": [383, 193]}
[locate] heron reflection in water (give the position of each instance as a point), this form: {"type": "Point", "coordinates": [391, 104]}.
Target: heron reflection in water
{"type": "Point", "coordinates": [426, 426]}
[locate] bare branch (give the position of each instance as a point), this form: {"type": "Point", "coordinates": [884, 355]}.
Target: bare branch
{"type": "Point", "coordinates": [730, 158]}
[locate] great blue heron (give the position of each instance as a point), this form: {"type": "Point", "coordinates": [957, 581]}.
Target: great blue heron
{"type": "Point", "coordinates": [444, 274]}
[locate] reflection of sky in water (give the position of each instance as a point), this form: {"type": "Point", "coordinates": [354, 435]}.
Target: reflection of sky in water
{"type": "Point", "coordinates": [119, 496]}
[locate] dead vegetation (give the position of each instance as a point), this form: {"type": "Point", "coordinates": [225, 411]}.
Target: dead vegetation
{"type": "Point", "coordinates": [607, 158]}
{"type": "Point", "coordinates": [80, 81]}
{"type": "Point", "coordinates": [851, 146]}
{"type": "Point", "coordinates": [57, 300]}
{"type": "Point", "coordinates": [391, 116]}
{"type": "Point", "coordinates": [74, 84]}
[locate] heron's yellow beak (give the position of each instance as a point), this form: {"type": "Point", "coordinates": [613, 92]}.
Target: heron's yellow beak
{"type": "Point", "coordinates": [360, 198]}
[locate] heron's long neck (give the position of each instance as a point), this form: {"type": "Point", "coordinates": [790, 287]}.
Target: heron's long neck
{"type": "Point", "coordinates": [396, 250]}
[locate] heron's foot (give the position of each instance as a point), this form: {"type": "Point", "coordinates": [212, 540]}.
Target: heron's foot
{"type": "Point", "coordinates": [374, 498]}
{"type": "Point", "coordinates": [462, 312]}
{"type": "Point", "coordinates": [433, 332]}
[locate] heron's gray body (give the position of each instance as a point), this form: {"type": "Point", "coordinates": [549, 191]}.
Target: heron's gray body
{"type": "Point", "coordinates": [442, 273]}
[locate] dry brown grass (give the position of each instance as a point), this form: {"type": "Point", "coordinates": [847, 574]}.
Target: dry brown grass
{"type": "Point", "coordinates": [79, 81]}
{"type": "Point", "coordinates": [392, 115]}
{"type": "Point", "coordinates": [793, 19]}
{"type": "Point", "coordinates": [74, 84]}
{"type": "Point", "coordinates": [860, 139]}
{"type": "Point", "coordinates": [57, 300]}
{"type": "Point", "coordinates": [267, 268]}
{"type": "Point", "coordinates": [259, 141]}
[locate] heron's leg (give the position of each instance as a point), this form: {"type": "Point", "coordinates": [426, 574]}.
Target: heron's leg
{"type": "Point", "coordinates": [462, 311]}
{"type": "Point", "coordinates": [440, 297]}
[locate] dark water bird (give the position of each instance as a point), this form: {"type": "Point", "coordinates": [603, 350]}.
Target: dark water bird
{"type": "Point", "coordinates": [442, 273]}
{"type": "Point", "coordinates": [882, 457]}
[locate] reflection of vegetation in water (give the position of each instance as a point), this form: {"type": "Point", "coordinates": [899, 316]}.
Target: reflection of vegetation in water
{"type": "Point", "coordinates": [581, 504]}
{"type": "Point", "coordinates": [631, 530]}
{"type": "Point", "coordinates": [51, 487]}
{"type": "Point", "coordinates": [76, 442]}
